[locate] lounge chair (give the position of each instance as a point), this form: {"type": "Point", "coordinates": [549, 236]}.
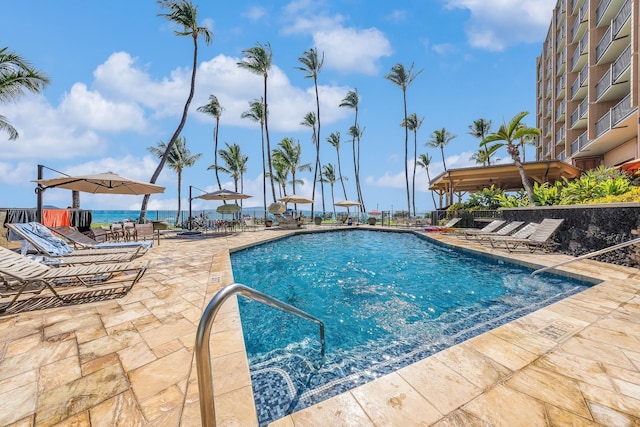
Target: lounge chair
{"type": "Point", "coordinates": [81, 240]}
{"type": "Point", "coordinates": [44, 242]}
{"type": "Point", "coordinates": [489, 228]}
{"type": "Point", "coordinates": [288, 222]}
{"type": "Point", "coordinates": [521, 233]}
{"type": "Point", "coordinates": [502, 231]}
{"type": "Point", "coordinates": [540, 239]}
{"type": "Point", "coordinates": [445, 227]}
{"type": "Point", "coordinates": [22, 277]}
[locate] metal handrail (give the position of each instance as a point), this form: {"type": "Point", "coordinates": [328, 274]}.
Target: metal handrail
{"type": "Point", "coordinates": [203, 335]}
{"type": "Point", "coordinates": [589, 255]}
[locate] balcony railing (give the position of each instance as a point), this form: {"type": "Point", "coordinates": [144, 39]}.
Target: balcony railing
{"type": "Point", "coordinates": [561, 110]}
{"type": "Point", "coordinates": [603, 124]}
{"type": "Point", "coordinates": [579, 143]}
{"type": "Point", "coordinates": [614, 116]}
{"type": "Point", "coordinates": [604, 4]}
{"type": "Point", "coordinates": [622, 64]}
{"type": "Point", "coordinates": [603, 84]}
{"type": "Point", "coordinates": [561, 85]}
{"type": "Point", "coordinates": [621, 18]}
{"type": "Point", "coordinates": [604, 44]}
{"type": "Point", "coordinates": [560, 135]}
{"type": "Point", "coordinates": [583, 107]}
{"type": "Point", "coordinates": [584, 41]}
{"type": "Point", "coordinates": [561, 156]}
{"type": "Point", "coordinates": [579, 81]}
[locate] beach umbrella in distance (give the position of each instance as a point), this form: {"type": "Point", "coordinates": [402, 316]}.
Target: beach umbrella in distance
{"type": "Point", "coordinates": [347, 203]}
{"type": "Point", "coordinates": [223, 195]}
{"type": "Point", "coordinates": [277, 207]}
{"type": "Point", "coordinates": [103, 183]}
{"type": "Point", "coordinates": [294, 198]}
{"type": "Point", "coordinates": [375, 212]}
{"type": "Point", "coordinates": [228, 209]}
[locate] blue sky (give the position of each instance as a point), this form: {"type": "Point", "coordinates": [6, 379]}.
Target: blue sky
{"type": "Point", "coordinates": [120, 77]}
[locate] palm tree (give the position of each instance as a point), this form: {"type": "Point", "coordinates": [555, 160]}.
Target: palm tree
{"type": "Point", "coordinates": [311, 121]}
{"type": "Point", "coordinates": [413, 123]}
{"type": "Point", "coordinates": [312, 65]}
{"type": "Point", "coordinates": [403, 77]}
{"type": "Point", "coordinates": [483, 156]}
{"type": "Point", "coordinates": [480, 129]}
{"type": "Point", "coordinates": [330, 178]}
{"type": "Point", "coordinates": [289, 153]}
{"type": "Point", "coordinates": [16, 77]}
{"type": "Point", "coordinates": [214, 109]}
{"type": "Point", "coordinates": [180, 157]}
{"type": "Point", "coordinates": [258, 60]}
{"type": "Point", "coordinates": [334, 140]}
{"type": "Point", "coordinates": [440, 138]}
{"type": "Point", "coordinates": [184, 14]}
{"type": "Point", "coordinates": [511, 133]}
{"type": "Point", "coordinates": [352, 100]}
{"type": "Point", "coordinates": [525, 140]}
{"type": "Point", "coordinates": [256, 114]}
{"type": "Point", "coordinates": [356, 134]}
{"type": "Point", "coordinates": [424, 160]}
{"type": "Point", "coordinates": [281, 175]}
{"type": "Point", "coordinates": [235, 164]}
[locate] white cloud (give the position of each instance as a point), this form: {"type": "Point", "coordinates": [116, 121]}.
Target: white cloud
{"type": "Point", "coordinates": [347, 49]}
{"type": "Point", "coordinates": [255, 13]}
{"type": "Point", "coordinates": [496, 25]}
{"type": "Point", "coordinates": [397, 16]}
{"type": "Point", "coordinates": [444, 48]}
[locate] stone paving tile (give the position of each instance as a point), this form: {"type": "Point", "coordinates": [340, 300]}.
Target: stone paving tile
{"type": "Point", "coordinates": [130, 361]}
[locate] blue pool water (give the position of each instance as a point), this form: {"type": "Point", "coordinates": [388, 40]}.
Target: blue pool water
{"type": "Point", "coordinates": [387, 300]}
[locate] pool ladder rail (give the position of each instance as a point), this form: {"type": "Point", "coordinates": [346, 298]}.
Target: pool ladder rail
{"type": "Point", "coordinates": [203, 335]}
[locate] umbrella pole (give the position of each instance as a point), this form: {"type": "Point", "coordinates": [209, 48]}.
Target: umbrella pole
{"type": "Point", "coordinates": [189, 219]}
{"type": "Point", "coordinates": [39, 190]}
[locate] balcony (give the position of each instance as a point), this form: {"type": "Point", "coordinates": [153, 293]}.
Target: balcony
{"type": "Point", "coordinates": [548, 92]}
{"type": "Point", "coordinates": [579, 57]}
{"type": "Point", "coordinates": [579, 115]}
{"type": "Point", "coordinates": [579, 143]}
{"type": "Point", "coordinates": [560, 63]}
{"type": "Point", "coordinates": [560, 40]}
{"type": "Point", "coordinates": [548, 129]}
{"type": "Point", "coordinates": [615, 82]}
{"type": "Point", "coordinates": [562, 83]}
{"type": "Point", "coordinates": [614, 116]}
{"type": "Point", "coordinates": [606, 11]}
{"type": "Point", "coordinates": [560, 135]}
{"type": "Point", "coordinates": [560, 15]}
{"type": "Point", "coordinates": [560, 112]}
{"type": "Point", "coordinates": [614, 40]}
{"type": "Point", "coordinates": [602, 7]}
{"type": "Point", "coordinates": [580, 23]}
{"type": "Point", "coordinates": [579, 85]}
{"type": "Point", "coordinates": [549, 109]}
{"type": "Point", "coordinates": [575, 4]}
{"type": "Point", "coordinates": [561, 156]}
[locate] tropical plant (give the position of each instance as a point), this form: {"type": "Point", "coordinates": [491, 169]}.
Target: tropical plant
{"type": "Point", "coordinates": [214, 109]}
{"type": "Point", "coordinates": [235, 164]}
{"type": "Point", "coordinates": [594, 184]}
{"type": "Point", "coordinates": [257, 114]}
{"type": "Point", "coordinates": [480, 129]}
{"type": "Point", "coordinates": [356, 133]}
{"type": "Point", "coordinates": [403, 77]}
{"type": "Point", "coordinates": [289, 153]}
{"type": "Point", "coordinates": [184, 14]}
{"type": "Point", "coordinates": [440, 138]}
{"type": "Point", "coordinates": [424, 161]}
{"type": "Point", "coordinates": [310, 121]}
{"type": "Point", "coordinates": [517, 200]}
{"type": "Point", "coordinates": [352, 100]}
{"type": "Point", "coordinates": [258, 60]}
{"type": "Point", "coordinates": [413, 123]}
{"type": "Point", "coordinates": [334, 140]}
{"type": "Point", "coordinates": [281, 175]}
{"type": "Point", "coordinates": [483, 156]}
{"type": "Point", "coordinates": [180, 157]}
{"type": "Point", "coordinates": [312, 65]}
{"type": "Point", "coordinates": [547, 194]}
{"type": "Point", "coordinates": [329, 176]}
{"type": "Point", "coordinates": [16, 77]}
{"type": "Point", "coordinates": [485, 199]}
{"type": "Point", "coordinates": [510, 133]}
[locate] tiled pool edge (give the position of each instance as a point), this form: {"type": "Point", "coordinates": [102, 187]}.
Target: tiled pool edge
{"type": "Point", "coordinates": [302, 415]}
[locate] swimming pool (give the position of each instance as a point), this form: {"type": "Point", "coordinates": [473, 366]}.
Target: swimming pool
{"type": "Point", "coordinates": [387, 300]}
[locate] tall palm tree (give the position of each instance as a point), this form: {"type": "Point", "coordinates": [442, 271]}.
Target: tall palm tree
{"type": "Point", "coordinates": [403, 77]}
{"type": "Point", "coordinates": [16, 77]}
{"type": "Point", "coordinates": [334, 140]}
{"type": "Point", "coordinates": [256, 114]}
{"type": "Point", "coordinates": [214, 109]}
{"type": "Point", "coordinates": [352, 100]}
{"type": "Point", "coordinates": [483, 156]}
{"type": "Point", "coordinates": [281, 175]}
{"type": "Point", "coordinates": [311, 65]}
{"type": "Point", "coordinates": [413, 123]}
{"type": "Point", "coordinates": [180, 157]}
{"type": "Point", "coordinates": [511, 133]}
{"type": "Point", "coordinates": [356, 134]}
{"type": "Point", "coordinates": [290, 154]}
{"type": "Point", "coordinates": [235, 164]}
{"type": "Point", "coordinates": [480, 129]}
{"type": "Point", "coordinates": [330, 178]}
{"type": "Point", "coordinates": [440, 138]}
{"type": "Point", "coordinates": [424, 161]}
{"type": "Point", "coordinates": [525, 140]}
{"type": "Point", "coordinates": [257, 59]}
{"type": "Point", "coordinates": [184, 14]}
{"type": "Point", "coordinates": [310, 120]}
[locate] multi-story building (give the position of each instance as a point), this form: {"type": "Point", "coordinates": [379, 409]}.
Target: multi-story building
{"type": "Point", "coordinates": [587, 84]}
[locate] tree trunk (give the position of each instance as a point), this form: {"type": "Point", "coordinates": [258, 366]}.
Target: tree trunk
{"type": "Point", "coordinates": [406, 152]}
{"type": "Point", "coordinates": [179, 197]}
{"type": "Point", "coordinates": [266, 129]}
{"type": "Point", "coordinates": [515, 155]}
{"type": "Point", "coordinates": [215, 154]}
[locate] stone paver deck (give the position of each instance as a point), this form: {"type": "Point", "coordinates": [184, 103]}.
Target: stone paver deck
{"type": "Point", "coordinates": [130, 361]}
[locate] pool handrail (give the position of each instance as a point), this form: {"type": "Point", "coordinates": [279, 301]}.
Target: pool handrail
{"type": "Point", "coordinates": [203, 335]}
{"type": "Point", "coordinates": [589, 255]}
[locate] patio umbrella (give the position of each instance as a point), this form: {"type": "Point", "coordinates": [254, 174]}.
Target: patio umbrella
{"type": "Point", "coordinates": [348, 203]}
{"type": "Point", "coordinates": [228, 209]}
{"type": "Point", "coordinates": [107, 183]}
{"type": "Point", "coordinates": [277, 207]}
{"type": "Point", "coordinates": [223, 195]}
{"type": "Point", "coordinates": [293, 198]}
{"type": "Point", "coordinates": [375, 212]}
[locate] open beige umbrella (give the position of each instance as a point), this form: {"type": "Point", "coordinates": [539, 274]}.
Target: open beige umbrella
{"type": "Point", "coordinates": [107, 183]}
{"type": "Point", "coordinates": [223, 195]}
{"type": "Point", "coordinates": [295, 199]}
{"type": "Point", "coordinates": [348, 203]}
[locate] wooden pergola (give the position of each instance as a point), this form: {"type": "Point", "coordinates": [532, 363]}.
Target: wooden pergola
{"type": "Point", "coordinates": [504, 176]}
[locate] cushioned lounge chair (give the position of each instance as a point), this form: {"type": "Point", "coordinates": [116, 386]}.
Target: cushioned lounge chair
{"type": "Point", "coordinates": [45, 243]}
{"type": "Point", "coordinates": [489, 228]}
{"type": "Point", "coordinates": [521, 233]}
{"type": "Point", "coordinates": [81, 240]}
{"type": "Point", "coordinates": [23, 280]}
{"type": "Point", "coordinates": [540, 239]}
{"type": "Point", "coordinates": [502, 231]}
{"type": "Point", "coordinates": [446, 227]}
